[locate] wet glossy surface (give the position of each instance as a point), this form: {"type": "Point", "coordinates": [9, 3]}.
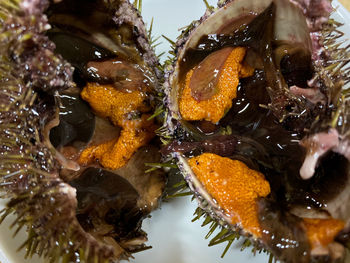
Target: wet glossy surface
{"type": "Point", "coordinates": [266, 142]}
{"type": "Point", "coordinates": [187, 243]}
{"type": "Point", "coordinates": [110, 196]}
{"type": "Point", "coordinates": [77, 122]}
{"type": "Point", "coordinates": [68, 45]}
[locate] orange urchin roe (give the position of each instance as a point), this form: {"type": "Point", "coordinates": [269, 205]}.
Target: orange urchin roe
{"type": "Point", "coordinates": [234, 186]}
{"type": "Point", "coordinates": [321, 232]}
{"type": "Point", "coordinates": [110, 103]}
{"type": "Point", "coordinates": [215, 108]}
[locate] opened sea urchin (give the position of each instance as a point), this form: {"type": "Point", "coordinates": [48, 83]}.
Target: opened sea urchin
{"type": "Point", "coordinates": [77, 80]}
{"type": "Point", "coordinates": [258, 124]}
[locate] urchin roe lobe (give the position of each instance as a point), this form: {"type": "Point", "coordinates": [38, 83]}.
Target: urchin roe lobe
{"type": "Point", "coordinates": [234, 186]}
{"type": "Point", "coordinates": [322, 232]}
{"type": "Point", "coordinates": [219, 94]}
{"type": "Point", "coordinates": [118, 106]}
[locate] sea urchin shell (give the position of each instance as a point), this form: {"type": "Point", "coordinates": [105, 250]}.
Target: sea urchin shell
{"type": "Point", "coordinates": [76, 211]}
{"type": "Point", "coordinates": [257, 116]}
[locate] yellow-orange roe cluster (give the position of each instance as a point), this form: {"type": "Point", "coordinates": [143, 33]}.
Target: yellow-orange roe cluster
{"type": "Point", "coordinates": [321, 232]}
{"type": "Point", "coordinates": [234, 186]}
{"type": "Point", "coordinates": [117, 106]}
{"type": "Point", "coordinates": [215, 108]}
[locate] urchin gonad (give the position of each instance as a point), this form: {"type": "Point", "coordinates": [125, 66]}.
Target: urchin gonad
{"type": "Point", "coordinates": [257, 113]}
{"type": "Point", "coordinates": [78, 81]}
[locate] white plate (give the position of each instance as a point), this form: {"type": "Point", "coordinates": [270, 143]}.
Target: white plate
{"type": "Point", "coordinates": [173, 237]}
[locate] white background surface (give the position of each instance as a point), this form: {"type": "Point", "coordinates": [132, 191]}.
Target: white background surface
{"type": "Point", "coordinates": [173, 237]}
